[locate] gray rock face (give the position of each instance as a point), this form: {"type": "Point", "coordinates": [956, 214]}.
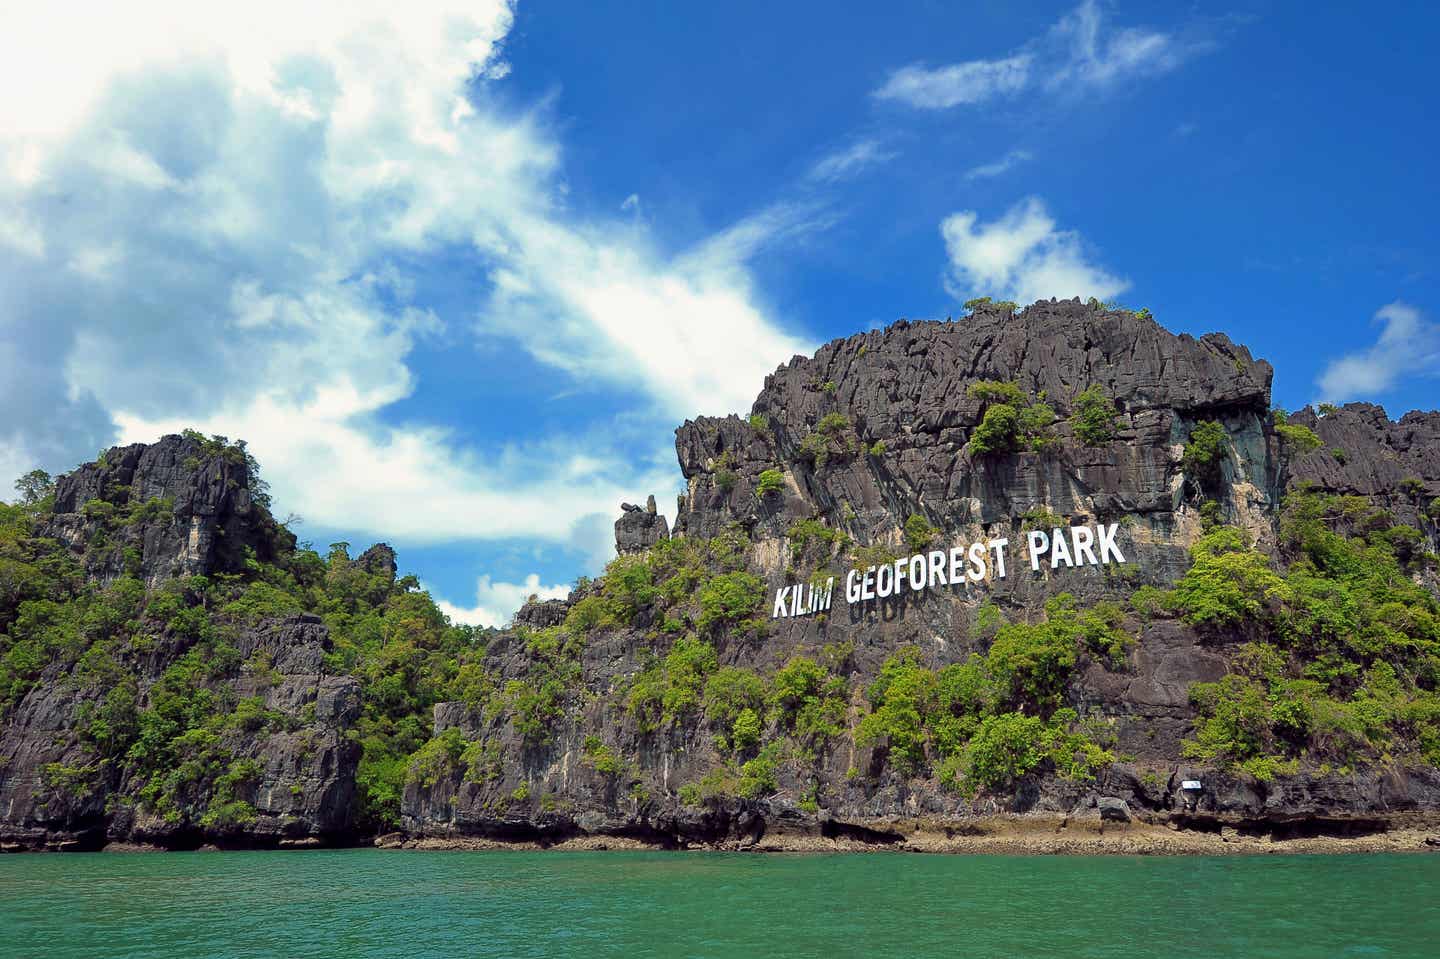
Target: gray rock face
{"type": "Point", "coordinates": [901, 449]}
{"type": "Point", "coordinates": [905, 389]}
{"type": "Point", "coordinates": [305, 788]}
{"type": "Point", "coordinates": [638, 528]}
{"type": "Point", "coordinates": [1113, 809]}
{"type": "Point", "coordinates": [203, 517]}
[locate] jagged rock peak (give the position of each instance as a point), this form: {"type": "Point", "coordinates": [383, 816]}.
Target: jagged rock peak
{"type": "Point", "coordinates": [639, 528]}
{"type": "Point", "coordinates": [181, 506]}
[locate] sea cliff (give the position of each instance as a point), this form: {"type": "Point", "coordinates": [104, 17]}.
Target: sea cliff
{"type": "Point", "coordinates": [177, 671]}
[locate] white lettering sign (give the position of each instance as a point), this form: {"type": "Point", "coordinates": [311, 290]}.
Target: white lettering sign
{"type": "Point", "coordinates": [1063, 547]}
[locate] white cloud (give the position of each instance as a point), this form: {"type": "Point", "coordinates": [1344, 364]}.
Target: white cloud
{"type": "Point", "coordinates": [1079, 53]}
{"type": "Point", "coordinates": [1000, 166]}
{"type": "Point", "coordinates": [262, 179]}
{"type": "Point", "coordinates": [1097, 60]}
{"type": "Point", "coordinates": [1408, 344]}
{"type": "Point", "coordinates": [642, 320]}
{"type": "Point", "coordinates": [943, 87]}
{"type": "Point", "coordinates": [850, 161]}
{"type": "Point", "coordinates": [496, 603]}
{"type": "Point", "coordinates": [1021, 257]}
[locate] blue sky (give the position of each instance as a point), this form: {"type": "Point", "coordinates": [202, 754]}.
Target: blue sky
{"type": "Point", "coordinates": [457, 271]}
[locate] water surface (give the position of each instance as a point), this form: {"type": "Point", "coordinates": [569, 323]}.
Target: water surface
{"type": "Point", "coordinates": [372, 903]}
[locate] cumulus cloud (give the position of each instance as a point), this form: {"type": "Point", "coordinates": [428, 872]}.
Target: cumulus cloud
{"type": "Point", "coordinates": [496, 603]}
{"type": "Point", "coordinates": [850, 161]}
{"type": "Point", "coordinates": [1408, 345]}
{"type": "Point", "coordinates": [1003, 165]}
{"type": "Point", "coordinates": [1081, 51]}
{"type": "Point", "coordinates": [258, 185]}
{"type": "Point", "coordinates": [1022, 256]}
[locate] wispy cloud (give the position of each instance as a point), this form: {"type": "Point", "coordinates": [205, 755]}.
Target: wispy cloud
{"type": "Point", "coordinates": [974, 81]}
{"type": "Point", "coordinates": [1003, 165]}
{"type": "Point", "coordinates": [850, 161]}
{"type": "Point", "coordinates": [1022, 257]}
{"type": "Point", "coordinates": [1081, 53]}
{"type": "Point", "coordinates": [1408, 345]}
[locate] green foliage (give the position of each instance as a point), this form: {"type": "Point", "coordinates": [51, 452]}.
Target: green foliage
{"type": "Point", "coordinates": [1038, 517]}
{"type": "Point", "coordinates": [998, 432]}
{"type": "Point", "coordinates": [832, 438]}
{"type": "Point", "coordinates": [878, 449]}
{"type": "Point", "coordinates": [1208, 445]}
{"type": "Point", "coordinates": [35, 487]}
{"type": "Point", "coordinates": [602, 758]}
{"type": "Point", "coordinates": [1011, 422]}
{"type": "Point", "coordinates": [1328, 409]}
{"type": "Point", "coordinates": [1348, 670]}
{"type": "Point", "coordinates": [758, 776]}
{"type": "Point", "coordinates": [985, 304]}
{"type": "Point", "coordinates": [437, 760]}
{"type": "Point", "coordinates": [807, 702]}
{"type": "Point", "coordinates": [803, 532]}
{"type": "Point", "coordinates": [1227, 581]}
{"type": "Point", "coordinates": [919, 534]}
{"type": "Point", "coordinates": [828, 386]}
{"type": "Point", "coordinates": [1300, 439]}
{"type": "Point", "coordinates": [759, 422]}
{"type": "Point", "coordinates": [997, 391]}
{"type": "Point", "coordinates": [771, 481]}
{"type": "Point", "coordinates": [730, 692]}
{"type": "Point", "coordinates": [1094, 417]}
{"type": "Point", "coordinates": [730, 599]}
{"type": "Point", "coordinates": [970, 716]}
{"type": "Point", "coordinates": [670, 689]}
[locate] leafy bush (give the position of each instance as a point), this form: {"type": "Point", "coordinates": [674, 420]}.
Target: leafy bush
{"type": "Point", "coordinates": [758, 776]}
{"type": "Point", "coordinates": [771, 481]}
{"type": "Point", "coordinates": [919, 534]}
{"type": "Point", "coordinates": [1208, 445]}
{"type": "Point", "coordinates": [1011, 421]}
{"type": "Point", "coordinates": [1298, 438]}
{"type": "Point", "coordinates": [998, 432]}
{"type": "Point", "coordinates": [670, 689]}
{"type": "Point", "coordinates": [997, 391]}
{"type": "Point", "coordinates": [729, 599]}
{"type": "Point", "coordinates": [1094, 417]}
{"type": "Point", "coordinates": [803, 532]}
{"type": "Point", "coordinates": [600, 757]}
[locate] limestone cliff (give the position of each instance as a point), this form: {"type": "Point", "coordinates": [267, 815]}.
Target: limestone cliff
{"type": "Point", "coordinates": [663, 702]}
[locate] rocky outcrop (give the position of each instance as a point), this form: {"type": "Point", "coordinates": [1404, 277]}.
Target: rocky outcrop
{"type": "Point", "coordinates": [163, 510]}
{"type": "Point", "coordinates": [902, 393]}
{"type": "Point", "coordinates": [875, 429]}
{"type": "Point", "coordinates": [639, 529]}
{"type": "Point", "coordinates": [55, 792]}
{"type": "Point", "coordinates": [870, 442]}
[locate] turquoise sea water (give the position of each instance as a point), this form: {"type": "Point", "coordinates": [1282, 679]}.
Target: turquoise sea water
{"type": "Point", "coordinates": [365, 903]}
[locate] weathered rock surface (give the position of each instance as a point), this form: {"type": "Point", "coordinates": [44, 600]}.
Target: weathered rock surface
{"type": "Point", "coordinates": [305, 787]}
{"type": "Point", "coordinates": [204, 520]}
{"type": "Point", "coordinates": [638, 528]}
{"type": "Point", "coordinates": [901, 451]}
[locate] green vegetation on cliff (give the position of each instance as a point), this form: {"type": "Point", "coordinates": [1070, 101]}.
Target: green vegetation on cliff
{"type": "Point", "coordinates": [1343, 660]}
{"type": "Point", "coordinates": [989, 721]}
